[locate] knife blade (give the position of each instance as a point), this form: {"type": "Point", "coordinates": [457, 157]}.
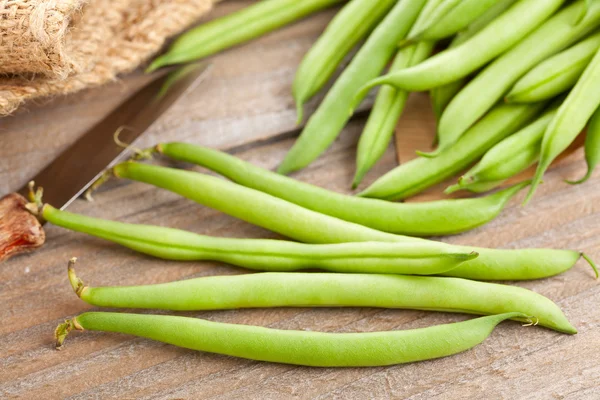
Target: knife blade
{"type": "Point", "coordinates": [74, 170]}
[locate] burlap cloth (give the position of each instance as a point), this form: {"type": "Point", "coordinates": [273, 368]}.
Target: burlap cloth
{"type": "Point", "coordinates": [53, 47]}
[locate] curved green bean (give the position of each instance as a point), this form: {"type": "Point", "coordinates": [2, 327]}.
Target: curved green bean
{"type": "Point", "coordinates": [453, 20]}
{"type": "Point", "coordinates": [315, 349]}
{"type": "Point", "coordinates": [350, 25]}
{"type": "Point", "coordinates": [572, 116]}
{"type": "Point", "coordinates": [442, 95]}
{"type": "Point", "coordinates": [592, 147]}
{"type": "Point", "coordinates": [389, 103]}
{"type": "Point", "coordinates": [237, 28]}
{"type": "Point", "coordinates": [333, 113]}
{"type": "Point", "coordinates": [305, 225]}
{"type": "Point", "coordinates": [555, 75]}
{"type": "Point", "coordinates": [416, 175]}
{"type": "Point", "coordinates": [416, 219]}
{"type": "Point", "coordinates": [506, 159]}
{"type": "Point", "coordinates": [491, 84]}
{"type": "Point", "coordinates": [272, 289]}
{"type": "Point", "coordinates": [424, 258]}
{"type": "Point", "coordinates": [453, 64]}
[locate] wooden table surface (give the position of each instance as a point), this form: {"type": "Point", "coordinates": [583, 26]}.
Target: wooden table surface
{"type": "Point", "coordinates": [246, 107]}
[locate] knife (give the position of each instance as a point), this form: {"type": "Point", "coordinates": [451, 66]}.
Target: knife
{"type": "Point", "coordinates": [78, 167]}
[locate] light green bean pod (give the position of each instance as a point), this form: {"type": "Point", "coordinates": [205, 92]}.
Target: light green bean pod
{"type": "Point", "coordinates": [454, 19]}
{"type": "Point", "coordinates": [592, 147]}
{"type": "Point", "coordinates": [511, 156]}
{"type": "Point", "coordinates": [389, 103]}
{"type": "Point", "coordinates": [350, 25]}
{"type": "Point", "coordinates": [453, 64]}
{"type": "Point", "coordinates": [491, 84]}
{"type": "Point", "coordinates": [305, 225]}
{"type": "Point", "coordinates": [555, 75]}
{"type": "Point", "coordinates": [572, 116]}
{"type": "Point", "coordinates": [432, 218]}
{"type": "Point", "coordinates": [484, 20]}
{"type": "Point", "coordinates": [272, 289]}
{"type": "Point", "coordinates": [442, 95]}
{"type": "Point", "coordinates": [314, 349]}
{"type": "Point", "coordinates": [424, 258]}
{"type": "Point", "coordinates": [421, 173]}
{"type": "Point", "coordinates": [334, 112]}
{"type": "Point", "coordinates": [237, 28]}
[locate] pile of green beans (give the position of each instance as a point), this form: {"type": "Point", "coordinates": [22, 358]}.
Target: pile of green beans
{"type": "Point", "coordinates": [516, 84]}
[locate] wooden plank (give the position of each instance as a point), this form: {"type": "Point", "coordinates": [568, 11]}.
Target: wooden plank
{"type": "Point", "coordinates": [246, 106]}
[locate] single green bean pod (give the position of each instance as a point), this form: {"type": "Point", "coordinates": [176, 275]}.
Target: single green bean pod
{"type": "Point", "coordinates": [491, 84]}
{"type": "Point", "coordinates": [454, 18]}
{"type": "Point", "coordinates": [432, 218]}
{"type": "Point", "coordinates": [350, 25]}
{"type": "Point", "coordinates": [555, 75]}
{"type": "Point", "coordinates": [421, 173]}
{"type": "Point", "coordinates": [442, 95]}
{"type": "Point", "coordinates": [334, 112]}
{"type": "Point", "coordinates": [272, 289]}
{"type": "Point", "coordinates": [592, 147]}
{"type": "Point", "coordinates": [511, 156]}
{"type": "Point", "coordinates": [389, 103]}
{"type": "Point", "coordinates": [237, 28]}
{"type": "Point", "coordinates": [305, 225]}
{"type": "Point", "coordinates": [453, 64]}
{"type": "Point", "coordinates": [572, 116]}
{"type": "Point", "coordinates": [424, 258]}
{"type": "Point", "coordinates": [314, 349]}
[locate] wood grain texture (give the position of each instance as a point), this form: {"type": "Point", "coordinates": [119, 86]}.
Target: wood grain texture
{"type": "Point", "coordinates": [246, 107]}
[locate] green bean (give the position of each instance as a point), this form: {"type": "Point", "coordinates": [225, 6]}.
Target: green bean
{"type": "Point", "coordinates": [442, 95]}
{"type": "Point", "coordinates": [453, 64]}
{"type": "Point", "coordinates": [572, 116]}
{"type": "Point", "coordinates": [416, 219]}
{"type": "Point", "coordinates": [389, 103]}
{"type": "Point", "coordinates": [479, 95]}
{"type": "Point", "coordinates": [455, 19]}
{"type": "Point", "coordinates": [272, 289]}
{"type": "Point", "coordinates": [237, 28]}
{"type": "Point", "coordinates": [351, 24]}
{"type": "Point", "coordinates": [506, 159]}
{"type": "Point", "coordinates": [416, 175]}
{"type": "Point", "coordinates": [266, 255]}
{"type": "Point", "coordinates": [592, 147]}
{"type": "Point", "coordinates": [332, 115]}
{"type": "Point", "coordinates": [305, 225]}
{"type": "Point", "coordinates": [314, 349]}
{"type": "Point", "coordinates": [555, 75]}
{"type": "Point", "coordinates": [484, 20]}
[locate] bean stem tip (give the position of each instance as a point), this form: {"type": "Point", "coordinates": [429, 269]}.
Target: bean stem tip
{"type": "Point", "coordinates": [62, 331]}
{"type": "Point", "coordinates": [76, 283]}
{"type": "Point", "coordinates": [591, 263]}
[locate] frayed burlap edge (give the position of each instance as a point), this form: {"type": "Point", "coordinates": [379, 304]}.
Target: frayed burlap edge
{"type": "Point", "coordinates": [33, 36]}
{"type": "Point", "coordinates": [111, 37]}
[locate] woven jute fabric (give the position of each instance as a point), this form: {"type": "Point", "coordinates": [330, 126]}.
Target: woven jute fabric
{"type": "Point", "coordinates": [55, 47]}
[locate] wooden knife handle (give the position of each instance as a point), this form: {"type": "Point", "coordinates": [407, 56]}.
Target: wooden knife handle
{"type": "Point", "coordinates": [20, 230]}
